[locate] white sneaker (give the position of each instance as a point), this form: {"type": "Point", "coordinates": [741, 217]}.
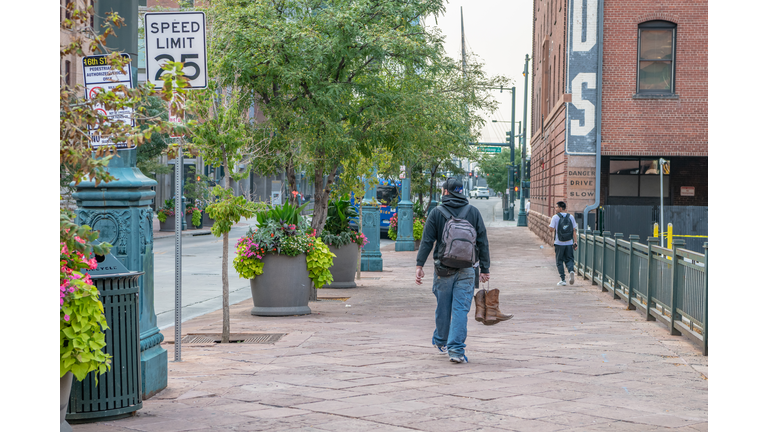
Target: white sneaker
{"type": "Point", "coordinates": [572, 279]}
{"type": "Point", "coordinates": [561, 283]}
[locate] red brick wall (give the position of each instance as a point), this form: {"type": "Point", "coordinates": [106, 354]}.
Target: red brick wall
{"type": "Point", "coordinates": [632, 126]}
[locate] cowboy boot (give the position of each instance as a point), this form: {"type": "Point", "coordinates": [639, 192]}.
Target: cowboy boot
{"type": "Point", "coordinates": [492, 313]}
{"type": "Point", "coordinates": [480, 306]}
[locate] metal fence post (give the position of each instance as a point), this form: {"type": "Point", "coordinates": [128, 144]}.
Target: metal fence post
{"type": "Point", "coordinates": [595, 234]}
{"type": "Point", "coordinates": [673, 304]}
{"type": "Point", "coordinates": [586, 246]}
{"type": "Point", "coordinates": [705, 323]}
{"type": "Point", "coordinates": [606, 234]}
{"type": "Point", "coordinates": [616, 284]}
{"type": "Point", "coordinates": [652, 241]}
{"type": "Point", "coordinates": [632, 239]}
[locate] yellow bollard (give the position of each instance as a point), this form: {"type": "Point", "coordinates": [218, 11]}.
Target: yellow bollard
{"type": "Point", "coordinates": [669, 236]}
{"type": "Point", "coordinates": [655, 229]}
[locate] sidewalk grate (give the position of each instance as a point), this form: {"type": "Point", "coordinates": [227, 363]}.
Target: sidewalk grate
{"type": "Point", "coordinates": [247, 338]}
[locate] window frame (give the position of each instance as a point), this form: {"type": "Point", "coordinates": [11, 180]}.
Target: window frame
{"type": "Point", "coordinates": [639, 176]}
{"type": "Point", "coordinates": [657, 25]}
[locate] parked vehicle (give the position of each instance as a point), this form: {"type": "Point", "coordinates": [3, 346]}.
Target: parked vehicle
{"type": "Point", "coordinates": [480, 192]}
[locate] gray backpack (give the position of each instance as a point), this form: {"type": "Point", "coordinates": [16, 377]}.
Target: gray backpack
{"type": "Point", "coordinates": [459, 246]}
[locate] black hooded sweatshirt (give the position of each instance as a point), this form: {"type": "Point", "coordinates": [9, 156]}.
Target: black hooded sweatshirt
{"type": "Point", "coordinates": [433, 230]}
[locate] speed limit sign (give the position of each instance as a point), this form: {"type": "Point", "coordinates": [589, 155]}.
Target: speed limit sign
{"type": "Point", "coordinates": [176, 37]}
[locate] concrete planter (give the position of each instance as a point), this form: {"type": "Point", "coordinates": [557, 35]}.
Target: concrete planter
{"type": "Point", "coordinates": [170, 223]}
{"type": "Point", "coordinates": [344, 266]}
{"type": "Point", "coordinates": [207, 221]}
{"type": "Point", "coordinates": [65, 383]}
{"type": "Point", "coordinates": [284, 287]}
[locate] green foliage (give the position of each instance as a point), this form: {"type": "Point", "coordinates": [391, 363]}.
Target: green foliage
{"type": "Point", "coordinates": [496, 169]}
{"type": "Point", "coordinates": [284, 214]}
{"type": "Point", "coordinates": [197, 217]}
{"type": "Point", "coordinates": [392, 233]}
{"type": "Point", "coordinates": [229, 209]}
{"type": "Point", "coordinates": [81, 317]}
{"type": "Point", "coordinates": [418, 228]}
{"type": "Point", "coordinates": [81, 338]}
{"type": "Point", "coordinates": [340, 211]}
{"type": "Point", "coordinates": [319, 261]}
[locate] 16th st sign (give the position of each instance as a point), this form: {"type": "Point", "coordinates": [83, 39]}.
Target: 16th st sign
{"type": "Point", "coordinates": [176, 37]}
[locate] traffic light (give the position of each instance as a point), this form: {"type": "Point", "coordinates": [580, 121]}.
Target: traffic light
{"type": "Point", "coordinates": [527, 184]}
{"type": "Point", "coordinates": [509, 135]}
{"type": "Point", "coordinates": [517, 188]}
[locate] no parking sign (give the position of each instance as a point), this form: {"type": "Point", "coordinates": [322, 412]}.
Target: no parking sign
{"type": "Point", "coordinates": [98, 75]}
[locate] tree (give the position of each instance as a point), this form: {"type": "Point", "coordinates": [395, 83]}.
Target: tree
{"type": "Point", "coordinates": [225, 137]}
{"type": "Point", "coordinates": [496, 169]}
{"type": "Point", "coordinates": [325, 74]}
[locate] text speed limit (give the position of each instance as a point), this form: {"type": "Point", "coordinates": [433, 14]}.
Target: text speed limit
{"type": "Point", "coordinates": [176, 37]}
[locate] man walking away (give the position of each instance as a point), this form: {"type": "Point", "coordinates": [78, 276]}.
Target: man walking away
{"type": "Point", "coordinates": [564, 227]}
{"type": "Point", "coordinates": [453, 287]}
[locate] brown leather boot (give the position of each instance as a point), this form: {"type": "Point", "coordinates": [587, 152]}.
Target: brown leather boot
{"type": "Point", "coordinates": [480, 305]}
{"type": "Point", "coordinates": [492, 313]}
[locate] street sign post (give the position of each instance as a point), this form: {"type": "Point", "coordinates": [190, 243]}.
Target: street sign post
{"type": "Point", "coordinates": [176, 37]}
{"type": "Point", "coordinates": [98, 75]}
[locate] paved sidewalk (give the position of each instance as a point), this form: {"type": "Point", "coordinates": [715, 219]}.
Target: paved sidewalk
{"type": "Point", "coordinates": [572, 359]}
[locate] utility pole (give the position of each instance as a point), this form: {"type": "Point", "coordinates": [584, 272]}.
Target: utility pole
{"type": "Point", "coordinates": [510, 179]}
{"type": "Point", "coordinates": [522, 218]}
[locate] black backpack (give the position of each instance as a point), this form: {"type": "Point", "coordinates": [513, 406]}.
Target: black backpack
{"type": "Point", "coordinates": [564, 228]}
{"type": "Point", "coordinates": [459, 246]}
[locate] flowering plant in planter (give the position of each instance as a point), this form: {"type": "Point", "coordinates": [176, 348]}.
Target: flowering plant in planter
{"type": "Point", "coordinates": [337, 231]}
{"type": "Point", "coordinates": [166, 210]}
{"type": "Point", "coordinates": [282, 231]}
{"type": "Point", "coordinates": [197, 215]}
{"type": "Point", "coordinates": [81, 314]}
{"type": "Point", "coordinates": [392, 231]}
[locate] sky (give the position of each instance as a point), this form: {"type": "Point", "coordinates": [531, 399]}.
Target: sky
{"type": "Point", "coordinates": [499, 33]}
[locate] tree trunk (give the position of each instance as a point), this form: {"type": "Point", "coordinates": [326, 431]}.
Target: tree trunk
{"type": "Point", "coordinates": [322, 193]}
{"type": "Point", "coordinates": [224, 262]}
{"type": "Point", "coordinates": [290, 172]}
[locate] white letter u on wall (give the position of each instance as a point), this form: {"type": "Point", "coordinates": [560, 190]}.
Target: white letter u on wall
{"type": "Point", "coordinates": [578, 25]}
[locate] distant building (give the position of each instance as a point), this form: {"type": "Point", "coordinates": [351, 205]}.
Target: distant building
{"type": "Point", "coordinates": [654, 104]}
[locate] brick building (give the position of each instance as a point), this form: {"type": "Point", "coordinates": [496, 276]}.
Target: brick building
{"type": "Point", "coordinates": [650, 102]}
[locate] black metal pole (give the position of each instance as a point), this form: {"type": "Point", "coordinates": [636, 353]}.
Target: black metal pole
{"type": "Point", "coordinates": [522, 218]}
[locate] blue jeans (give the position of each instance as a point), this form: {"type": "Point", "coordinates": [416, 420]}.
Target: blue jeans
{"type": "Point", "coordinates": [454, 299]}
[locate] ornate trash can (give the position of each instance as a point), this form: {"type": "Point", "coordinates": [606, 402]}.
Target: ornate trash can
{"type": "Point", "coordinates": [118, 393]}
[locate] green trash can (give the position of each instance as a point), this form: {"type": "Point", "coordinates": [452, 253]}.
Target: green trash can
{"type": "Point", "coordinates": [119, 391]}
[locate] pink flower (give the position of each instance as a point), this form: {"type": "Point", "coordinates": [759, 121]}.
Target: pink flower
{"type": "Point", "coordinates": [62, 302]}
{"type": "Point", "coordinates": [66, 317]}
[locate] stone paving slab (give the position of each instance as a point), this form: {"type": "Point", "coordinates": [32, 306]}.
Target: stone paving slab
{"type": "Point", "coordinates": [571, 359]}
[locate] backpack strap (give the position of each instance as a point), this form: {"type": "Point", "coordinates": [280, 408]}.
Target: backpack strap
{"type": "Point", "coordinates": [464, 211]}
{"type": "Point", "coordinates": [444, 212]}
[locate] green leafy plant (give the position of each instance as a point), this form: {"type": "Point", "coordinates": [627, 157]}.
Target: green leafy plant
{"type": "Point", "coordinates": [392, 231]}
{"type": "Point", "coordinates": [81, 316]}
{"type": "Point", "coordinates": [418, 228]}
{"type": "Point", "coordinates": [287, 214]}
{"type": "Point", "coordinates": [337, 231]}
{"type": "Point", "coordinates": [319, 261]}
{"type": "Point", "coordinates": [197, 217]}
{"type": "Point", "coordinates": [167, 210]}
{"type": "Point", "coordinates": [274, 235]}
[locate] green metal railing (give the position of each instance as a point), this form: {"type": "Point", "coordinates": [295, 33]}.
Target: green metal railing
{"type": "Point", "coordinates": [666, 284]}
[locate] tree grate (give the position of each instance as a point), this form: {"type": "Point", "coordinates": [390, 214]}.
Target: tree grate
{"type": "Point", "coordinates": [246, 338]}
{"type": "Point", "coordinates": [342, 299]}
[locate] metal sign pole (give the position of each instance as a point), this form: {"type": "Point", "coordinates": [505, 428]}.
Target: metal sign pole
{"type": "Point", "coordinates": [661, 194]}
{"type": "Point", "coordinates": [179, 213]}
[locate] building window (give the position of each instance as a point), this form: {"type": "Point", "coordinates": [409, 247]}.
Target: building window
{"type": "Point", "coordinates": [656, 57]}
{"type": "Point", "coordinates": [637, 177]}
